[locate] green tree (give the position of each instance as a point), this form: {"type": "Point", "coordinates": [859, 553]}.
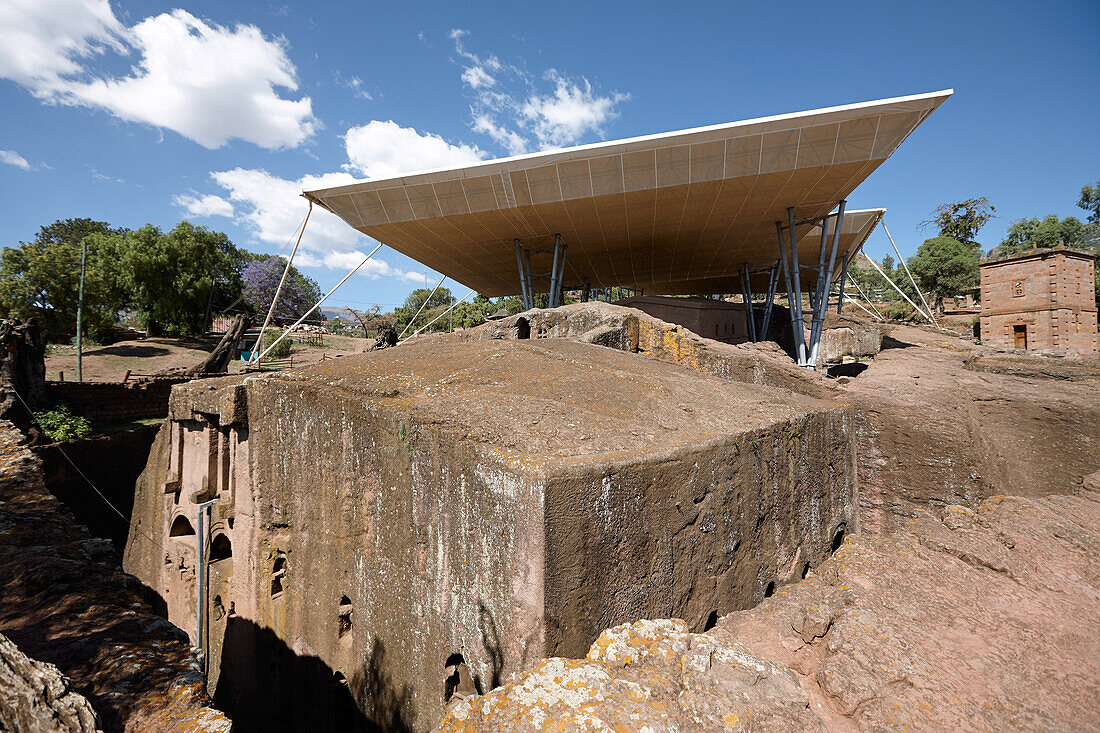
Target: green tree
{"type": "Point", "coordinates": [945, 267]}
{"type": "Point", "coordinates": [1090, 202]}
{"type": "Point", "coordinates": [1045, 233]}
{"type": "Point", "coordinates": [962, 220]}
{"type": "Point", "coordinates": [438, 302]}
{"type": "Point", "coordinates": [169, 276]}
{"type": "Point", "coordinates": [42, 276]}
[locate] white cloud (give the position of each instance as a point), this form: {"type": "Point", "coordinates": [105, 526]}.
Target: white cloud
{"type": "Point", "coordinates": [571, 111]}
{"type": "Point", "coordinates": [373, 269]}
{"type": "Point", "coordinates": [510, 140]}
{"type": "Point", "coordinates": [208, 205]}
{"type": "Point", "coordinates": [476, 77]}
{"type": "Point", "coordinates": [45, 40]}
{"type": "Point", "coordinates": [207, 82]}
{"type": "Point", "coordinates": [13, 158]}
{"type": "Point", "coordinates": [508, 106]}
{"type": "Point", "coordinates": [385, 149]}
{"type": "Point", "coordinates": [272, 208]}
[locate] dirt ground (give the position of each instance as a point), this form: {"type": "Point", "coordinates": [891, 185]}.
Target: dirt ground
{"type": "Point", "coordinates": [148, 356]}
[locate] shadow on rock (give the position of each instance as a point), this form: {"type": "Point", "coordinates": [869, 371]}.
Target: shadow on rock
{"type": "Point", "coordinates": [265, 686]}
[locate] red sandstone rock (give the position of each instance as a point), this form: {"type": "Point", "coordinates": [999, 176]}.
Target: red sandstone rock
{"type": "Point", "coordinates": [967, 621]}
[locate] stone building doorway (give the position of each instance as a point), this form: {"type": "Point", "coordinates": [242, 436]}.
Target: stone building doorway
{"type": "Point", "coordinates": [1019, 335]}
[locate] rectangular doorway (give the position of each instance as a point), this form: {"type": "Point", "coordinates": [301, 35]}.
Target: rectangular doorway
{"type": "Point", "coordinates": [1019, 334]}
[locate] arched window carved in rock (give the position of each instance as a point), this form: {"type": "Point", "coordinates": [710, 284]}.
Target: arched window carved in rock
{"type": "Point", "coordinates": [181, 527]}
{"type": "Point", "coordinates": [221, 548]}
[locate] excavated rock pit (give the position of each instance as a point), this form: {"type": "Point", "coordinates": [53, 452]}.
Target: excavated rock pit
{"type": "Point", "coordinates": [478, 501]}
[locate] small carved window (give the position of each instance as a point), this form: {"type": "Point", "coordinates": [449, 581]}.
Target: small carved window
{"type": "Point", "coordinates": [278, 574]}
{"type": "Point", "coordinates": [1017, 288]}
{"type": "Point", "coordinates": [344, 616]}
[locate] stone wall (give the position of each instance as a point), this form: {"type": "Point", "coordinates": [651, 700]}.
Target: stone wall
{"type": "Point", "coordinates": [112, 462]}
{"type": "Point", "coordinates": [1047, 294]}
{"type": "Point", "coordinates": [379, 517]}
{"type": "Point", "coordinates": [115, 402]}
{"type": "Point", "coordinates": [64, 600]}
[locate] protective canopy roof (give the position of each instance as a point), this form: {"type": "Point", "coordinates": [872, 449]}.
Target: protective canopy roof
{"type": "Point", "coordinates": [678, 212]}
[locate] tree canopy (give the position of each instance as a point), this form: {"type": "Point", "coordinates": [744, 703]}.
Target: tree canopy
{"type": "Point", "coordinates": [1090, 201]}
{"type": "Point", "coordinates": [1044, 233]}
{"type": "Point", "coordinates": [962, 220]}
{"type": "Point", "coordinates": [260, 278]}
{"type": "Point", "coordinates": [169, 277]}
{"type": "Point", "coordinates": [42, 276]}
{"type": "Point", "coordinates": [438, 301]}
{"type": "Point", "coordinates": [945, 267]}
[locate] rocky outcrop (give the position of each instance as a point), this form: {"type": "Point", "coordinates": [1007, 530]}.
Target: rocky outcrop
{"type": "Point", "coordinates": [65, 601]}
{"type": "Point", "coordinates": [22, 373]}
{"type": "Point", "coordinates": [36, 698]}
{"type": "Point", "coordinates": [628, 329]}
{"type": "Point", "coordinates": [967, 620]}
{"type": "Point", "coordinates": [931, 431]}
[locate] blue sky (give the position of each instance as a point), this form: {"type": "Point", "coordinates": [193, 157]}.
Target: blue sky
{"type": "Point", "coordinates": [135, 112]}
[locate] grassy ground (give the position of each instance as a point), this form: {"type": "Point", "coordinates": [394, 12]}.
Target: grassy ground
{"type": "Point", "coordinates": [148, 356]}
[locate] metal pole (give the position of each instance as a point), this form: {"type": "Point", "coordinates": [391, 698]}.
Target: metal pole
{"type": "Point", "coordinates": [279, 289]}
{"type": "Point", "coordinates": [80, 312]}
{"type": "Point", "coordinates": [553, 301]}
{"type": "Point", "coordinates": [787, 279]}
{"type": "Point", "coordinates": [860, 306]}
{"type": "Point", "coordinates": [895, 287]}
{"type": "Point", "coordinates": [746, 294]}
{"type": "Point", "coordinates": [201, 581]}
{"type": "Point", "coordinates": [773, 281]}
{"type": "Point", "coordinates": [865, 298]}
{"type": "Point", "coordinates": [318, 304]}
{"type": "Point", "coordinates": [825, 284]}
{"type": "Point", "coordinates": [843, 279]}
{"type": "Point", "coordinates": [800, 323]}
{"type": "Point", "coordinates": [911, 280]}
{"type": "Point", "coordinates": [453, 306]}
{"type": "Point", "coordinates": [422, 306]}
{"type": "Point", "coordinates": [523, 284]}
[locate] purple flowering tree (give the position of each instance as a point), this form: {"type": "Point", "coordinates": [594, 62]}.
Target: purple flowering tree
{"type": "Point", "coordinates": [260, 279]}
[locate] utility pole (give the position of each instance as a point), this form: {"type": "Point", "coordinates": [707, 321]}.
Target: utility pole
{"type": "Point", "coordinates": [80, 313]}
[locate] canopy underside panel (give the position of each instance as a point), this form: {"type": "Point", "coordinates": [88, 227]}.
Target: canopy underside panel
{"type": "Point", "coordinates": [666, 213]}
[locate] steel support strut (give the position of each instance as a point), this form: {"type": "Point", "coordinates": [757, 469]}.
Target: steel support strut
{"type": "Point", "coordinates": [556, 274]}
{"type": "Point", "coordinates": [773, 281]}
{"type": "Point", "coordinates": [843, 279]}
{"type": "Point", "coordinates": [524, 277]}
{"type": "Point", "coordinates": [800, 328]}
{"type": "Point", "coordinates": [787, 281]}
{"type": "Point", "coordinates": [824, 282]}
{"type": "Point", "coordinates": [746, 295]}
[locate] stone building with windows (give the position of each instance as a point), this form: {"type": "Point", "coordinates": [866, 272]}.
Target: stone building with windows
{"type": "Point", "coordinates": [1041, 300]}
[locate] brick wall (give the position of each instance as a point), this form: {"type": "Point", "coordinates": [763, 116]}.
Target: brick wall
{"type": "Point", "coordinates": [1046, 293]}
{"type": "Point", "coordinates": [116, 401]}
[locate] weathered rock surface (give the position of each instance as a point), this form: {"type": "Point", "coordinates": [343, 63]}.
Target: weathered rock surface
{"type": "Point", "coordinates": [965, 620]}
{"type": "Point", "coordinates": [64, 600]}
{"type": "Point", "coordinates": [931, 431]}
{"type": "Point", "coordinates": [628, 329]}
{"type": "Point", "coordinates": [36, 698]}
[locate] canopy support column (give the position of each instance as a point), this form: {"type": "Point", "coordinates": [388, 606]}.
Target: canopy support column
{"type": "Point", "coordinates": [527, 277]}
{"type": "Point", "coordinates": [746, 295]}
{"type": "Point", "coordinates": [773, 281]}
{"type": "Point", "coordinates": [824, 282]}
{"type": "Point", "coordinates": [843, 279]}
{"type": "Point", "coordinates": [787, 281]}
{"type": "Point", "coordinates": [524, 276]}
{"type": "Point", "coordinates": [796, 305]}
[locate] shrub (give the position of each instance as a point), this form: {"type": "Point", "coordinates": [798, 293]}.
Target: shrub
{"type": "Point", "coordinates": [282, 351]}
{"type": "Point", "coordinates": [61, 424]}
{"type": "Point", "coordinates": [898, 310]}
